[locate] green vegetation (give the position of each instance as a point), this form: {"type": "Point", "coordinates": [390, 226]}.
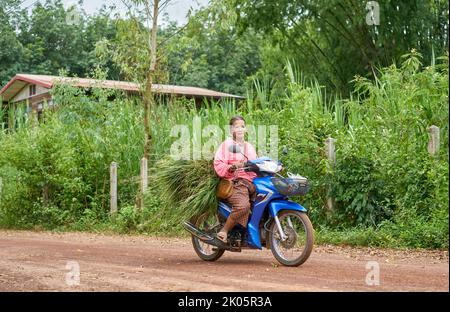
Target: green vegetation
{"type": "Point", "coordinates": [229, 42]}
{"type": "Point", "coordinates": [200, 54]}
{"type": "Point", "coordinates": [57, 173]}
{"type": "Point", "coordinates": [315, 69]}
{"type": "Point", "coordinates": [389, 191]}
{"type": "Point", "coordinates": [333, 40]}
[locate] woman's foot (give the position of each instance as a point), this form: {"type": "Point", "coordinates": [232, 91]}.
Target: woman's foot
{"type": "Point", "coordinates": [223, 236]}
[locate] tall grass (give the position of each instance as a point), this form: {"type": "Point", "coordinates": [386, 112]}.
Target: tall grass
{"type": "Point", "coordinates": [187, 186]}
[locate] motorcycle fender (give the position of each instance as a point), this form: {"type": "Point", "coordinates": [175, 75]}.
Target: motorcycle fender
{"type": "Point", "coordinates": [277, 205]}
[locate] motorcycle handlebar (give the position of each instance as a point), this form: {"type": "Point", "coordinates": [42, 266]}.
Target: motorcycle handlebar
{"type": "Point", "coordinates": [248, 167]}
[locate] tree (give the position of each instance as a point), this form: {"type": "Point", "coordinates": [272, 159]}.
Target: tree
{"type": "Point", "coordinates": [11, 49]}
{"type": "Point", "coordinates": [140, 63]}
{"type": "Point", "coordinates": [331, 39]}
{"type": "Point", "coordinates": [44, 42]}
{"type": "Point", "coordinates": [210, 54]}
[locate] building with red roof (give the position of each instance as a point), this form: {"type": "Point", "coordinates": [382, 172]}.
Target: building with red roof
{"type": "Point", "coordinates": [35, 89]}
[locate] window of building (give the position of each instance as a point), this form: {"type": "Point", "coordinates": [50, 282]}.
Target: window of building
{"type": "Point", "coordinates": [32, 89]}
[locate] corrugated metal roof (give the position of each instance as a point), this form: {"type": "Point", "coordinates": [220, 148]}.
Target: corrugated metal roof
{"type": "Point", "coordinates": [20, 80]}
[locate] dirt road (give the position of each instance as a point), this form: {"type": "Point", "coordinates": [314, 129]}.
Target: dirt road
{"type": "Point", "coordinates": [44, 261]}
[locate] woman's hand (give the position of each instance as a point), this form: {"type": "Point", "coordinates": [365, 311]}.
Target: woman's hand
{"type": "Point", "coordinates": [236, 166]}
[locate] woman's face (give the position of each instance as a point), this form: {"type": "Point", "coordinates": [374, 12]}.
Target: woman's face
{"type": "Point", "coordinates": [238, 129]}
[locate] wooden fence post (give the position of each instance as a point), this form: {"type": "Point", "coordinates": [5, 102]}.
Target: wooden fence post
{"type": "Point", "coordinates": [144, 174]}
{"type": "Point", "coordinates": [113, 188]}
{"type": "Point", "coordinates": [433, 143]}
{"type": "Point", "coordinates": [331, 155]}
{"type": "Point", "coordinates": [143, 183]}
{"type": "Point", "coordinates": [330, 150]}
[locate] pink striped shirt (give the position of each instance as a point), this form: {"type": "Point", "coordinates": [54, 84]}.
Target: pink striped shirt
{"type": "Point", "coordinates": [224, 159]}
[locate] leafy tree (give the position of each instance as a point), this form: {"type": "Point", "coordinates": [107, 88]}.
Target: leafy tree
{"type": "Point", "coordinates": [212, 56]}
{"type": "Point", "coordinates": [332, 41]}
{"type": "Point", "coordinates": [44, 42]}
{"type": "Point", "coordinates": [11, 49]}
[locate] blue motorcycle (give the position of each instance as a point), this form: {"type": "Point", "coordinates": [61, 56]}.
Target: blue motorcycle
{"type": "Point", "coordinates": [275, 222]}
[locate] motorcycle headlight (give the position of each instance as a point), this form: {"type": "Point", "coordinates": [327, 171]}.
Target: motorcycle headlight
{"type": "Point", "coordinates": [269, 166]}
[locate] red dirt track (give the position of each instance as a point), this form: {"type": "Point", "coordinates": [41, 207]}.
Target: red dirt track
{"type": "Point", "coordinates": [36, 261]}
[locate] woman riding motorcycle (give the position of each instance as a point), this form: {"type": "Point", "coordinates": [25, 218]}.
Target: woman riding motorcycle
{"type": "Point", "coordinates": [226, 164]}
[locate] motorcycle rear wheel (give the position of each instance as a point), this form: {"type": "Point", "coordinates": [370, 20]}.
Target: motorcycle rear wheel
{"type": "Point", "coordinates": [206, 251]}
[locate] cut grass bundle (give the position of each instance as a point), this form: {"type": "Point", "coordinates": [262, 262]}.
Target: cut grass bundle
{"type": "Point", "coordinates": [189, 187]}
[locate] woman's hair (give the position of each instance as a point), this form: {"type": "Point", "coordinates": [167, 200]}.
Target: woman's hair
{"type": "Point", "coordinates": [236, 118]}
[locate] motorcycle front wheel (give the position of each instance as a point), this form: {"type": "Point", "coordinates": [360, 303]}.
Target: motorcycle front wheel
{"type": "Point", "coordinates": [298, 245]}
{"type": "Point", "coordinates": [210, 225]}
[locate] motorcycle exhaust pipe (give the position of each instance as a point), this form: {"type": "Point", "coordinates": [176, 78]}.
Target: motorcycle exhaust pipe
{"type": "Point", "coordinates": [204, 237]}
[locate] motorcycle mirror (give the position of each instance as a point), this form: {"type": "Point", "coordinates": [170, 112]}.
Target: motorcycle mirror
{"type": "Point", "coordinates": [234, 149]}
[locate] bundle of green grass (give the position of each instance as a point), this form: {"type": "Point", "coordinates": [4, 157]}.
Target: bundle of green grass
{"type": "Point", "coordinates": [186, 187]}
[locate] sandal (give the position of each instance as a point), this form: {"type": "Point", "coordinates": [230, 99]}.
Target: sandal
{"type": "Point", "coordinates": [223, 237]}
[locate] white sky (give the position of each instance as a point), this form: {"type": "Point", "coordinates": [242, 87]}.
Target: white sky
{"type": "Point", "coordinates": [176, 9]}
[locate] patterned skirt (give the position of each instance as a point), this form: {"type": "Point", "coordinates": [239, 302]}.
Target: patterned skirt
{"type": "Point", "coordinates": [243, 192]}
